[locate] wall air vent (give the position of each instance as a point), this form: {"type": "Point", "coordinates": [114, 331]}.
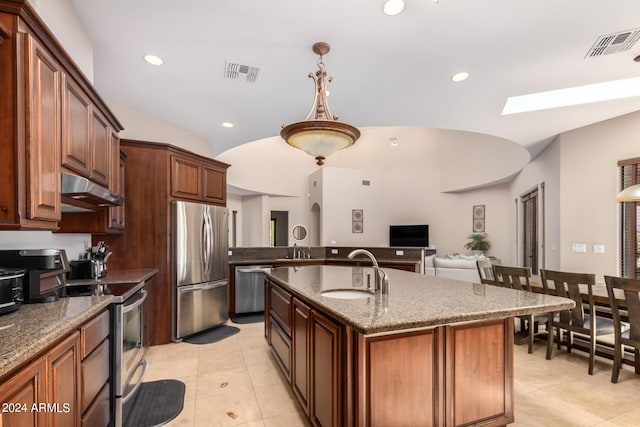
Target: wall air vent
{"type": "Point", "coordinates": [614, 43]}
{"type": "Point", "coordinates": [241, 72]}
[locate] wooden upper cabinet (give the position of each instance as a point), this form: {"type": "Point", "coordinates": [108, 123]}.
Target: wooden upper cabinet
{"type": "Point", "coordinates": [76, 128]}
{"type": "Point", "coordinates": [100, 150]}
{"type": "Point", "coordinates": [186, 178]}
{"type": "Point", "coordinates": [197, 179]}
{"type": "Point", "coordinates": [214, 184]}
{"type": "Point", "coordinates": [43, 133]}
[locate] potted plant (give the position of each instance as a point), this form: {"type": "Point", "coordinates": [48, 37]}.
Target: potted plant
{"type": "Point", "coordinates": [478, 242]}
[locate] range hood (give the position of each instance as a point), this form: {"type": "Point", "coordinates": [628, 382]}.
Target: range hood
{"type": "Point", "coordinates": [79, 192]}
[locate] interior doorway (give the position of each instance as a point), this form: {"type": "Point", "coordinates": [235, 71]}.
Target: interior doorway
{"type": "Point", "coordinates": [530, 230]}
{"type": "Point", "coordinates": [279, 228]}
{"type": "Point", "coordinates": [315, 229]}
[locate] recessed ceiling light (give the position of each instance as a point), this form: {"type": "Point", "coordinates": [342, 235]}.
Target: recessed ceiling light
{"type": "Point", "coordinates": [227, 124]}
{"type": "Point", "coordinates": [153, 60]}
{"type": "Point", "coordinates": [393, 7]}
{"type": "Point", "coordinates": [607, 91]}
{"type": "Point", "coordinates": [460, 77]}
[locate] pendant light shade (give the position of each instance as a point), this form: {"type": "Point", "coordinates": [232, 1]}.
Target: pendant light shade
{"type": "Point", "coordinates": [629, 194]}
{"type": "Point", "coordinates": [320, 134]}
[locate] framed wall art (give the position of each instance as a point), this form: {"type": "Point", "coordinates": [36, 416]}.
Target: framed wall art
{"type": "Point", "coordinates": [478, 219]}
{"type": "Point", "coordinates": [357, 224]}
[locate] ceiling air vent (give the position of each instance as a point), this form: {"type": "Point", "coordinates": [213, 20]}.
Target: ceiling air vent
{"type": "Point", "coordinates": [614, 43]}
{"type": "Point", "coordinates": [237, 71]}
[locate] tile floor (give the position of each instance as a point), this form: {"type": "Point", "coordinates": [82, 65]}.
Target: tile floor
{"type": "Point", "coordinates": [236, 383]}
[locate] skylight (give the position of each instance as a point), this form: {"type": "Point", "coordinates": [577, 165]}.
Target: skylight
{"type": "Point", "coordinates": [607, 91]}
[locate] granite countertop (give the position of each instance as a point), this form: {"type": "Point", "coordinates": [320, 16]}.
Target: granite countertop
{"type": "Point", "coordinates": [414, 300]}
{"type": "Point", "coordinates": [115, 277]}
{"type": "Point", "coordinates": [31, 329]}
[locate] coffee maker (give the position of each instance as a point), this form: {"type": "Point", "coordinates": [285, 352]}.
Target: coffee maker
{"type": "Point", "coordinates": [44, 279]}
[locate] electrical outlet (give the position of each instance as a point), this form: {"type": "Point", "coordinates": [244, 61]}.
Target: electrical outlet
{"type": "Point", "coordinates": [399, 253]}
{"type": "Point", "coordinates": [598, 249]}
{"type": "Point", "coordinates": [579, 248]}
{"type": "Point", "coordinates": [229, 253]}
{"type": "Point", "coordinates": [334, 251]}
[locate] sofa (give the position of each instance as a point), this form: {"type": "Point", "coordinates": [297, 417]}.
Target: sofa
{"type": "Point", "coordinates": [458, 267]}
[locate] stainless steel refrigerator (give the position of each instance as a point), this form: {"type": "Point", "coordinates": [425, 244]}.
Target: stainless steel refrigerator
{"type": "Point", "coordinates": [200, 270]}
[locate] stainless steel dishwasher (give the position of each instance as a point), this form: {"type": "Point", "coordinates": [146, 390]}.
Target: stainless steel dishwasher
{"type": "Point", "coordinates": [249, 284]}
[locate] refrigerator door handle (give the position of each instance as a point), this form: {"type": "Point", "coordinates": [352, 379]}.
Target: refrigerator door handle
{"type": "Point", "coordinates": [205, 244]}
{"type": "Point", "coordinates": [202, 287]}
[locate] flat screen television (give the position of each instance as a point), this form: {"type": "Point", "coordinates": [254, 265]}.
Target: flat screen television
{"type": "Point", "coordinates": [409, 235]}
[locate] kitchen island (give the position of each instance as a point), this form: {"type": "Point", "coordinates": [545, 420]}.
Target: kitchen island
{"type": "Point", "coordinates": [432, 351]}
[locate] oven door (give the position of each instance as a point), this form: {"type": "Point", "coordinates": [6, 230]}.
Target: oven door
{"type": "Point", "coordinates": [129, 363]}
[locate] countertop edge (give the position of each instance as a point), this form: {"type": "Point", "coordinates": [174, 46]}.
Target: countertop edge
{"type": "Point", "coordinates": [118, 276]}
{"type": "Point", "coordinates": [14, 359]}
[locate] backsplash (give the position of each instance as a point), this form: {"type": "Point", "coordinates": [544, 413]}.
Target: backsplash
{"type": "Point", "coordinates": [73, 244]}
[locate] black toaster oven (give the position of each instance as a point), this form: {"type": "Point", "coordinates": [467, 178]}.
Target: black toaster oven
{"type": "Point", "coordinates": [11, 282]}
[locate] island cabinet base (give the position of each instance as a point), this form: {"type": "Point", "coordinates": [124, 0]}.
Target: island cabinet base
{"type": "Point", "coordinates": [454, 375]}
{"type": "Point", "coordinates": [449, 375]}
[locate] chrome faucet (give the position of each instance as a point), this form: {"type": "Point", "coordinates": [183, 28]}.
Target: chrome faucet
{"type": "Point", "coordinates": [381, 279]}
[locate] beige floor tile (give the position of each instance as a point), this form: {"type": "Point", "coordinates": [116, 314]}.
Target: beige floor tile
{"type": "Point", "coordinates": [292, 419]}
{"type": "Point", "coordinates": [229, 383]}
{"type": "Point", "coordinates": [276, 399]}
{"type": "Point", "coordinates": [218, 361]}
{"type": "Point", "coordinates": [629, 419]}
{"type": "Point", "coordinates": [226, 410]}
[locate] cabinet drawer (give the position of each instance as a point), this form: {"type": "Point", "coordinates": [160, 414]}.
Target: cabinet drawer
{"type": "Point", "coordinates": [95, 373]}
{"type": "Point", "coordinates": [98, 413]}
{"type": "Point", "coordinates": [93, 333]}
{"type": "Point", "coordinates": [281, 346]}
{"type": "Point", "coordinates": [281, 308]}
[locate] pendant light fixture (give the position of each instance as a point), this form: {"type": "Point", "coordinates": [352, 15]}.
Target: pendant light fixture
{"type": "Point", "coordinates": [320, 134]}
{"type": "Point", "coordinates": [629, 194]}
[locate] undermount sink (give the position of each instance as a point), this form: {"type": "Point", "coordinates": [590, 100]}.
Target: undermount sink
{"type": "Point", "coordinates": [346, 293]}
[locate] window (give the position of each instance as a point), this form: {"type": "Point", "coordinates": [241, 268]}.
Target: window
{"type": "Point", "coordinates": [630, 221]}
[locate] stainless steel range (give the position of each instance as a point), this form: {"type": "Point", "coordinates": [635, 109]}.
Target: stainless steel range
{"type": "Point", "coordinates": [127, 337]}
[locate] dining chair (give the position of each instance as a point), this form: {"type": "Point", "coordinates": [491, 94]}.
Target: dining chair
{"type": "Point", "coordinates": [582, 318]}
{"type": "Point", "coordinates": [519, 278]}
{"type": "Point", "coordinates": [625, 336]}
{"type": "Point", "coordinates": [485, 271]}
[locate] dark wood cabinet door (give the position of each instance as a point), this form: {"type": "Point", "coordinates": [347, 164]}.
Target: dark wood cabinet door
{"type": "Point", "coordinates": [300, 341]}
{"type": "Point", "coordinates": [20, 393]}
{"type": "Point", "coordinates": [43, 133]}
{"type": "Point", "coordinates": [326, 371]}
{"type": "Point", "coordinates": [100, 148]}
{"type": "Point", "coordinates": [63, 364]}
{"type": "Point", "coordinates": [214, 185]}
{"type": "Point", "coordinates": [185, 178]}
{"type": "Point", "coordinates": [76, 121]}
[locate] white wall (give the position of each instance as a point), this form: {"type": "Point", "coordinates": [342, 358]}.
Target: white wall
{"type": "Point", "coordinates": [543, 169]}
{"type": "Point", "coordinates": [62, 19]}
{"type": "Point", "coordinates": [588, 186]}
{"type": "Point", "coordinates": [255, 221]}
{"type": "Point", "coordinates": [141, 126]}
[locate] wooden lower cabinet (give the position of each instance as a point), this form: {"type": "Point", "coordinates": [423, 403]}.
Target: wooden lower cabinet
{"type": "Point", "coordinates": [63, 364]}
{"type": "Point", "coordinates": [20, 393]}
{"type": "Point", "coordinates": [449, 375]}
{"type": "Point", "coordinates": [59, 388]}
{"type": "Point", "coordinates": [326, 371]}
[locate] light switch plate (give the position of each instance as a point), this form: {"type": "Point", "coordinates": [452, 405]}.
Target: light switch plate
{"type": "Point", "coordinates": [579, 248]}
{"type": "Point", "coordinates": [399, 253]}
{"type": "Point", "coordinates": [598, 249]}
{"type": "Point", "coordinates": [229, 253]}
{"type": "Point", "coordinates": [334, 251]}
